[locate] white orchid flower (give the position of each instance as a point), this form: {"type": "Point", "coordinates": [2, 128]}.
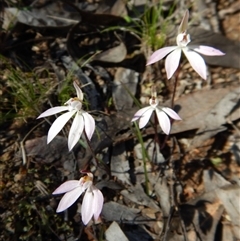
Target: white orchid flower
{"type": "Point", "coordinates": [82, 119]}
{"type": "Point", "coordinates": [92, 202]}
{"type": "Point", "coordinates": [144, 114]}
{"type": "Point", "coordinates": [172, 60]}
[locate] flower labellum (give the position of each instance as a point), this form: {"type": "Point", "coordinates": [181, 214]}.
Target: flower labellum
{"type": "Point", "coordinates": [190, 51]}
{"type": "Point", "coordinates": [92, 202]}
{"type": "Point", "coordinates": [82, 119]}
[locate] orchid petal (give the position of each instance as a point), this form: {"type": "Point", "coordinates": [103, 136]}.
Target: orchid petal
{"type": "Point", "coordinates": [89, 124]}
{"type": "Point", "coordinates": [53, 111]}
{"type": "Point", "coordinates": [66, 187]}
{"type": "Point", "coordinates": [206, 50]}
{"type": "Point", "coordinates": [184, 23]}
{"type": "Point", "coordinates": [145, 117]}
{"type": "Point", "coordinates": [69, 198]}
{"type": "Point", "coordinates": [160, 54]}
{"type": "Point", "coordinates": [58, 124]}
{"type": "Point", "coordinates": [172, 62]}
{"type": "Point", "coordinates": [139, 113]}
{"type": "Point", "coordinates": [87, 206]}
{"type": "Point", "coordinates": [197, 62]}
{"type": "Point", "coordinates": [78, 90]}
{"type": "Point", "coordinates": [171, 113]}
{"type": "Point", "coordinates": [164, 121]}
{"type": "Point", "coordinates": [97, 202]}
{"type": "Point", "coordinates": [75, 130]}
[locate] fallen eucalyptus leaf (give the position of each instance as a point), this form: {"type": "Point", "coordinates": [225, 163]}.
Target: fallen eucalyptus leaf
{"type": "Point", "coordinates": [125, 83]}
{"type": "Point", "coordinates": [114, 233]}
{"type": "Point", "coordinates": [119, 164]}
{"type": "Point", "coordinates": [113, 55]}
{"type": "Point", "coordinates": [113, 211]}
{"type": "Point", "coordinates": [47, 16]}
{"type": "Point", "coordinates": [194, 108]}
{"type": "Point", "coordinates": [230, 198]}
{"type": "Point", "coordinates": [137, 195]}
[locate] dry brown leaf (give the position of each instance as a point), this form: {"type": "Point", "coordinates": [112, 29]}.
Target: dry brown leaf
{"type": "Point", "coordinates": [194, 108]}
{"type": "Point", "coordinates": [137, 195]}
{"type": "Point", "coordinates": [114, 233]}
{"type": "Point", "coordinates": [119, 164]}
{"type": "Point", "coordinates": [125, 82]}
{"type": "Point", "coordinates": [113, 55]}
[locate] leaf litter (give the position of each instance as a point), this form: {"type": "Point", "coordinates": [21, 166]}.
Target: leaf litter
{"type": "Point", "coordinates": [191, 195]}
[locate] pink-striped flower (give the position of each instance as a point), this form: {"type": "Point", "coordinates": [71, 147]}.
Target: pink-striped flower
{"type": "Point", "coordinates": [190, 51]}
{"type": "Point", "coordinates": [92, 202]}
{"type": "Point", "coordinates": [81, 121]}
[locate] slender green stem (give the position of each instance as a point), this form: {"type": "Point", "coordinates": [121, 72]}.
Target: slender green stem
{"type": "Point", "coordinates": [144, 155]}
